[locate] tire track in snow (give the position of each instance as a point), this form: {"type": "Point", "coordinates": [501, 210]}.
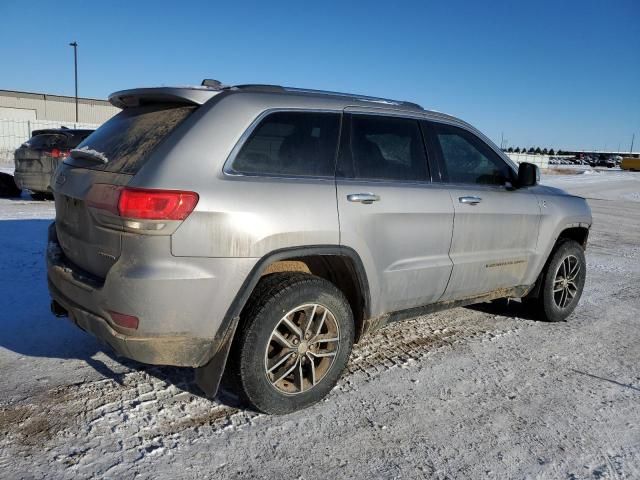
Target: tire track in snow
{"type": "Point", "coordinates": [154, 409]}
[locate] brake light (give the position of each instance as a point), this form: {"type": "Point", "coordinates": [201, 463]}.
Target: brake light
{"type": "Point", "coordinates": [126, 321]}
{"type": "Point", "coordinates": [57, 153]}
{"type": "Point", "coordinates": [156, 204]}
{"type": "Point", "coordinates": [142, 204]}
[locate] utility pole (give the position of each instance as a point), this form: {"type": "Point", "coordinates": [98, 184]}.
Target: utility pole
{"type": "Point", "coordinates": [633, 137]}
{"type": "Point", "coordinates": [501, 140]}
{"type": "Point", "coordinates": [75, 65]}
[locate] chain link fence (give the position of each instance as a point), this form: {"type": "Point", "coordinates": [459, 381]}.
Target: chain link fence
{"type": "Point", "coordinates": [14, 133]}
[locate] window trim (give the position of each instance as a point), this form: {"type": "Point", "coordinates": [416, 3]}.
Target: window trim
{"type": "Point", "coordinates": [345, 153]}
{"type": "Point", "coordinates": [227, 167]}
{"type": "Point", "coordinates": [429, 124]}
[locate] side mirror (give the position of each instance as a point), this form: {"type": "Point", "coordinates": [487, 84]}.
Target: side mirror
{"type": "Point", "coordinates": [528, 175]}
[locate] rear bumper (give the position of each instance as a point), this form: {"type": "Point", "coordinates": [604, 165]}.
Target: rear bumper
{"type": "Point", "coordinates": [158, 350]}
{"type": "Point", "coordinates": [36, 182]}
{"type": "Point", "coordinates": [179, 329]}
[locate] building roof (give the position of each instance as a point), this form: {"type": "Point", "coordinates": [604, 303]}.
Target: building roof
{"type": "Point", "coordinates": [45, 96]}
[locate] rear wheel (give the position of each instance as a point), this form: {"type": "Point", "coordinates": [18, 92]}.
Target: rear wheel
{"type": "Point", "coordinates": [295, 340]}
{"type": "Point", "coordinates": [562, 283]}
{"type": "Point", "coordinates": [41, 196]}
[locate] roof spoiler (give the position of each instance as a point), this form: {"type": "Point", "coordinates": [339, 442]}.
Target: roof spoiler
{"type": "Point", "coordinates": [144, 96]}
{"type": "Point", "coordinates": [55, 131]}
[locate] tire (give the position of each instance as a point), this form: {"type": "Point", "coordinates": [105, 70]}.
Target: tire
{"type": "Point", "coordinates": [266, 346]}
{"type": "Point", "coordinates": [37, 196]}
{"type": "Point", "coordinates": [41, 196]}
{"type": "Point", "coordinates": [556, 306]}
{"type": "Point", "coordinates": [8, 187]}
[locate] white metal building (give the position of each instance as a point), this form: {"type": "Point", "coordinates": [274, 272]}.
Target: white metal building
{"type": "Point", "coordinates": [23, 112]}
{"type": "Point", "coordinates": [58, 108]}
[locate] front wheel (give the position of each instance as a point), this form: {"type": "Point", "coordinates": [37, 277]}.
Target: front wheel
{"type": "Point", "coordinates": [294, 341]}
{"type": "Point", "coordinates": [562, 282]}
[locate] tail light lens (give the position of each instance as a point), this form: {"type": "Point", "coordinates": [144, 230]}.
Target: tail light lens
{"type": "Point", "coordinates": [126, 321]}
{"type": "Point", "coordinates": [156, 204]}
{"type": "Point", "coordinates": [57, 153]}
{"type": "Point", "coordinates": [142, 204]}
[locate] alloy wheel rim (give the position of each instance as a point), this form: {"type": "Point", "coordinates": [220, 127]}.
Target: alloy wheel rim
{"type": "Point", "coordinates": [565, 283]}
{"type": "Point", "coordinates": [302, 349]}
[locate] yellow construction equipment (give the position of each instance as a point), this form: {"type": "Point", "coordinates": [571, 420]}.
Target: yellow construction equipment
{"type": "Point", "coordinates": [630, 163]}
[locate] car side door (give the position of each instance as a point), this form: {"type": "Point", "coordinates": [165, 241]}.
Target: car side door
{"type": "Point", "coordinates": [495, 228]}
{"type": "Point", "coordinates": [390, 212]}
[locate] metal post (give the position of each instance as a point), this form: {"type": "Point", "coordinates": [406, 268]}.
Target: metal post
{"type": "Point", "coordinates": [75, 65]}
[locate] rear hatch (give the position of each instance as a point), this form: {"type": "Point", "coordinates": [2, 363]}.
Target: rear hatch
{"type": "Point", "coordinates": [42, 152]}
{"type": "Point", "coordinates": [90, 235]}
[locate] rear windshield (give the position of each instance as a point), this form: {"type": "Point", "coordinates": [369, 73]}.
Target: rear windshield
{"type": "Point", "coordinates": [73, 141]}
{"type": "Point", "coordinates": [126, 140]}
{"type": "Point", "coordinates": [47, 141]}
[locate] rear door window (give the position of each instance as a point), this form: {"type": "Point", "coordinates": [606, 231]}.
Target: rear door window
{"type": "Point", "coordinates": [385, 148]}
{"type": "Point", "coordinates": [126, 140]}
{"type": "Point", "coordinates": [291, 144]}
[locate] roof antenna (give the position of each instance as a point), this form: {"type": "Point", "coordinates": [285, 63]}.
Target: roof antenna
{"type": "Point", "coordinates": [212, 83]}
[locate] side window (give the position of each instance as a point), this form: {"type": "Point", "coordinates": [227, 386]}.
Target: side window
{"type": "Point", "coordinates": [386, 148]}
{"type": "Point", "coordinates": [467, 159]}
{"type": "Point", "coordinates": [291, 143]}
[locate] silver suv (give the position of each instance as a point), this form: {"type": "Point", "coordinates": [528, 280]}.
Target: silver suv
{"type": "Point", "coordinates": [259, 231]}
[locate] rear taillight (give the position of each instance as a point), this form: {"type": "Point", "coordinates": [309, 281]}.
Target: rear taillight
{"type": "Point", "coordinates": [57, 153]}
{"type": "Point", "coordinates": [142, 204]}
{"type": "Point", "coordinates": [156, 204]}
{"type": "Point", "coordinates": [104, 197]}
{"type": "Point", "coordinates": [126, 321]}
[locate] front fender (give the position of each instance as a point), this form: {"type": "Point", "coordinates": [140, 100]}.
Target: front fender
{"type": "Point", "coordinates": [559, 212]}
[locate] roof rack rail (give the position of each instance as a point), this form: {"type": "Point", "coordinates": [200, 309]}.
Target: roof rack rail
{"type": "Point", "coordinates": [217, 85]}
{"type": "Point", "coordinates": [355, 96]}
{"type": "Point", "coordinates": [365, 98]}
{"type": "Point", "coordinates": [259, 86]}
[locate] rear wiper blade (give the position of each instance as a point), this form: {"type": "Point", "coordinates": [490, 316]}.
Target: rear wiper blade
{"type": "Point", "coordinates": [85, 153]}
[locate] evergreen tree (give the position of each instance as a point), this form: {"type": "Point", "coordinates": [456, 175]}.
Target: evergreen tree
{"type": "Point", "coordinates": [537, 151]}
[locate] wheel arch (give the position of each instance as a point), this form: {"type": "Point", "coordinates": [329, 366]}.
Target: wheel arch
{"type": "Point", "coordinates": [576, 232]}
{"type": "Point", "coordinates": [338, 264]}
{"type": "Point", "coordinates": [579, 234]}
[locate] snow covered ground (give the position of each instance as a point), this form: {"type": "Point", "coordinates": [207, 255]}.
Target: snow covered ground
{"type": "Point", "coordinates": [470, 393]}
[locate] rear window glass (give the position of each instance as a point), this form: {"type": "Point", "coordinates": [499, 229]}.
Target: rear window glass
{"type": "Point", "coordinates": [126, 140]}
{"type": "Point", "coordinates": [72, 142]}
{"type": "Point", "coordinates": [45, 141]}
{"type": "Point", "coordinates": [291, 143]}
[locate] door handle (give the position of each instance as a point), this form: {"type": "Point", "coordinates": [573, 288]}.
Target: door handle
{"type": "Point", "coordinates": [470, 200]}
{"type": "Point", "coordinates": [366, 198]}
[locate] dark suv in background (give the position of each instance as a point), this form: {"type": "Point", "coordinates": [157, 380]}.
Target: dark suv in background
{"type": "Point", "coordinates": [37, 158]}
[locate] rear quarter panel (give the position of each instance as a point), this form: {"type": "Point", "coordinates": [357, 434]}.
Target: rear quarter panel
{"type": "Point", "coordinates": [239, 216]}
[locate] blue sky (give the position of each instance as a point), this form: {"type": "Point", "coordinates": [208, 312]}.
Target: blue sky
{"type": "Point", "coordinates": [546, 73]}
